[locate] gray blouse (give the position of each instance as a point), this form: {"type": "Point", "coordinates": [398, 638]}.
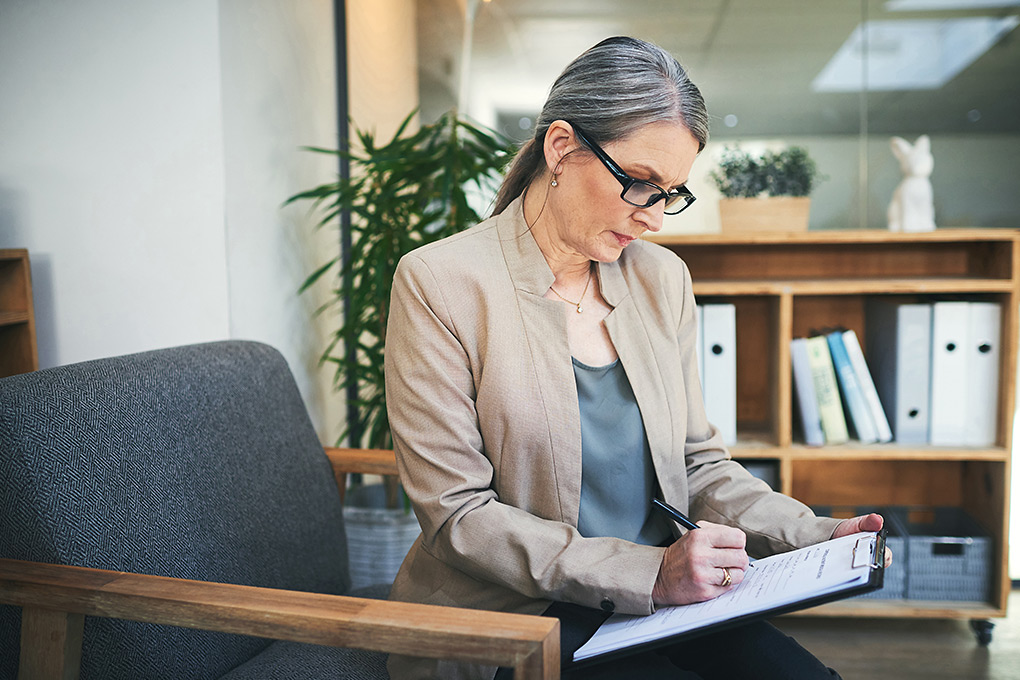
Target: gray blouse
{"type": "Point", "coordinates": [617, 477]}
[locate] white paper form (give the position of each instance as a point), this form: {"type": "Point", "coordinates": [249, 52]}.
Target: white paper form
{"type": "Point", "coordinates": [772, 582]}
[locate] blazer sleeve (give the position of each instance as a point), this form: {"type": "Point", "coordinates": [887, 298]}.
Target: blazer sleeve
{"type": "Point", "coordinates": [720, 489]}
{"type": "Point", "coordinates": [447, 476]}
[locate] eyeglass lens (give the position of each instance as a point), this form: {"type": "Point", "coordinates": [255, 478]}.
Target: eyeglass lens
{"type": "Point", "coordinates": [644, 194]}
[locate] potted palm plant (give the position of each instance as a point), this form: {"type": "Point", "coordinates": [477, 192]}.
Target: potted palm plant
{"type": "Point", "coordinates": [417, 187]}
{"type": "Point", "coordinates": [765, 192]}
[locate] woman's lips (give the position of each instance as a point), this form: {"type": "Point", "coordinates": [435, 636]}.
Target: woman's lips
{"type": "Point", "coordinates": [622, 239]}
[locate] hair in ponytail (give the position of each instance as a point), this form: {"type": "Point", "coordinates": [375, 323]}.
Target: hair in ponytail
{"type": "Point", "coordinates": [611, 90]}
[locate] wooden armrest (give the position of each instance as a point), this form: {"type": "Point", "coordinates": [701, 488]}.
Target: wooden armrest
{"type": "Point", "coordinates": [366, 461]}
{"type": "Point", "coordinates": [49, 593]}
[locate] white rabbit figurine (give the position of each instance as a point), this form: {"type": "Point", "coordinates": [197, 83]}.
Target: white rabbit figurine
{"type": "Point", "coordinates": [912, 207]}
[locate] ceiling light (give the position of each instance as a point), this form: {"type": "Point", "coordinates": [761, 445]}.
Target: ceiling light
{"type": "Point", "coordinates": [925, 5]}
{"type": "Point", "coordinates": [918, 54]}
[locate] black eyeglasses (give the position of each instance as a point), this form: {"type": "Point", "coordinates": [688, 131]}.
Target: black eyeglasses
{"type": "Point", "coordinates": [638, 192]}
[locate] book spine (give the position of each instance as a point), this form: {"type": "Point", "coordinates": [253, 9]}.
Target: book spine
{"type": "Point", "coordinates": [830, 408]}
{"type": "Point", "coordinates": [860, 413]}
{"type": "Point", "coordinates": [853, 349]}
{"type": "Point", "coordinates": [807, 402]}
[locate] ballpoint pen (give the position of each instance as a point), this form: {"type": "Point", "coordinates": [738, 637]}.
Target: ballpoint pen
{"type": "Point", "coordinates": [679, 517]}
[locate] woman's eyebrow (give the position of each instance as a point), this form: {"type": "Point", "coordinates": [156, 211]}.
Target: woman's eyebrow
{"type": "Point", "coordinates": [649, 172]}
{"type": "Point", "coordinates": [654, 176]}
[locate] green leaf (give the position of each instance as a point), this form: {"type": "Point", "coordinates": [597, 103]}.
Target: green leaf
{"type": "Point", "coordinates": [405, 192]}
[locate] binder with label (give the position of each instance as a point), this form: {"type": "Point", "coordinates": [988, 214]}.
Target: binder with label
{"type": "Point", "coordinates": [720, 378]}
{"type": "Point", "coordinates": [985, 323]}
{"type": "Point", "coordinates": [829, 571]}
{"type": "Point", "coordinates": [898, 341]}
{"type": "Point", "coordinates": [804, 387]}
{"type": "Point", "coordinates": [856, 406]}
{"type": "Point", "coordinates": [830, 408]}
{"type": "Point", "coordinates": [947, 423]}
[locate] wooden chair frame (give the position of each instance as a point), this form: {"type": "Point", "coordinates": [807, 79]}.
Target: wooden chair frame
{"type": "Point", "coordinates": [55, 600]}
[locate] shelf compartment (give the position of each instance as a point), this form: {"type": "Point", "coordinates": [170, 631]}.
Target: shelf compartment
{"type": "Point", "coordinates": [880, 482]}
{"type": "Point", "coordinates": [759, 402]}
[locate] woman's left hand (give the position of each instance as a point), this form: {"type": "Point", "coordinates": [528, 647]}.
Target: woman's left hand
{"type": "Point", "coordinates": [872, 522]}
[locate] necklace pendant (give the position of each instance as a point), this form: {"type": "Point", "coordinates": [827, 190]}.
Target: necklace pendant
{"type": "Point", "coordinates": [579, 310]}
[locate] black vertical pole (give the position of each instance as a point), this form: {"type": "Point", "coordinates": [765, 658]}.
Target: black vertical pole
{"type": "Point", "coordinates": [343, 114]}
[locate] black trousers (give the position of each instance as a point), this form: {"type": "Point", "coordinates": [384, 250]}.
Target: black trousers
{"type": "Point", "coordinates": [755, 651]}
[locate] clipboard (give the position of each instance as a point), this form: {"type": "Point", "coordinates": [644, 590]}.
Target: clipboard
{"type": "Point", "coordinates": [867, 550]}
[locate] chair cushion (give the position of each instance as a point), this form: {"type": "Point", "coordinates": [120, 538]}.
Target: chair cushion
{"type": "Point", "coordinates": [290, 660]}
{"type": "Point", "coordinates": [195, 462]}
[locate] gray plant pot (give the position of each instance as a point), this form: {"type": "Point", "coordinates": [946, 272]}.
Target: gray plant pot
{"type": "Point", "coordinates": [378, 537]}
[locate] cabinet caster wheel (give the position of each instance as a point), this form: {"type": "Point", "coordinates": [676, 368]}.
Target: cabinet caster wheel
{"type": "Point", "coordinates": [982, 631]}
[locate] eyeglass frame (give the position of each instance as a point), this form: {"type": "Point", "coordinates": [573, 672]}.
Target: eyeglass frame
{"type": "Point", "coordinates": [626, 181]}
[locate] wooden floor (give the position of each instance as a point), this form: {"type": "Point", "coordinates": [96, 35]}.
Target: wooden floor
{"type": "Point", "coordinates": [911, 649]}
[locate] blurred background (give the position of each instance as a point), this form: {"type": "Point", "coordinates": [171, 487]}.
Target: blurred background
{"type": "Point", "coordinates": [839, 78]}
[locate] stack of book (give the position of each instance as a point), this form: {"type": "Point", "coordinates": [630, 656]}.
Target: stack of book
{"type": "Point", "coordinates": [830, 372]}
{"type": "Point", "coordinates": [933, 376]}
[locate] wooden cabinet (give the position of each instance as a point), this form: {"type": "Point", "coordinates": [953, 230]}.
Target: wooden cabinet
{"type": "Point", "coordinates": [18, 352]}
{"type": "Point", "coordinates": [787, 285]}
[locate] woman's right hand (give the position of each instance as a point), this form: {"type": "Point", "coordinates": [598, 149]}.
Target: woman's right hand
{"type": "Point", "coordinates": [694, 567]}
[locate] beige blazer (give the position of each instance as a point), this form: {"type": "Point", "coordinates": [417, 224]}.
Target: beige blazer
{"type": "Point", "coordinates": [484, 413]}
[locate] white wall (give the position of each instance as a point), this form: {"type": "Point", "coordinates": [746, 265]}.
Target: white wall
{"type": "Point", "coordinates": [279, 94]}
{"type": "Point", "coordinates": [111, 168]}
{"type": "Point", "coordinates": [382, 69]}
{"type": "Point", "coordinates": [145, 149]}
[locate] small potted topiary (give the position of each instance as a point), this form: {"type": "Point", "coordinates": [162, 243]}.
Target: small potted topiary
{"type": "Point", "coordinates": [765, 192]}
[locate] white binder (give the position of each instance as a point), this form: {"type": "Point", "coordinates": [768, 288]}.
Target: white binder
{"type": "Point", "coordinates": [898, 339]}
{"type": "Point", "coordinates": [985, 320]}
{"type": "Point", "coordinates": [806, 400]}
{"type": "Point", "coordinates": [719, 335]}
{"type": "Point", "coordinates": [950, 323]}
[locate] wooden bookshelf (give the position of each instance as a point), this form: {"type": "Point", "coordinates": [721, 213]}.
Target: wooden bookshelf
{"type": "Point", "coordinates": [783, 286]}
{"type": "Point", "coordinates": [18, 353]}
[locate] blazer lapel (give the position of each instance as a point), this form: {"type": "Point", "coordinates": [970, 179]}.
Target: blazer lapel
{"type": "Point", "coordinates": [548, 353]}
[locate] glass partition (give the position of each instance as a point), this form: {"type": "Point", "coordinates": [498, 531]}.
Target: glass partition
{"type": "Point", "coordinates": [837, 78]}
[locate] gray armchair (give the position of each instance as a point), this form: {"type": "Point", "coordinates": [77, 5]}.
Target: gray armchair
{"type": "Point", "coordinates": [172, 514]}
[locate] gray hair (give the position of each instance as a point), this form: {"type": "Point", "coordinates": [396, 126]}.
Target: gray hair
{"type": "Point", "coordinates": [611, 90]}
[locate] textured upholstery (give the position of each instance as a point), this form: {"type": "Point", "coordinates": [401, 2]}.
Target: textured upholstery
{"type": "Point", "coordinates": [196, 462]}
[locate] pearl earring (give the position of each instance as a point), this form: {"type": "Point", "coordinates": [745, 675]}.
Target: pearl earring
{"type": "Point", "coordinates": [554, 182]}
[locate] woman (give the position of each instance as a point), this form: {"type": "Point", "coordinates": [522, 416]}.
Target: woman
{"type": "Point", "coordinates": [542, 388]}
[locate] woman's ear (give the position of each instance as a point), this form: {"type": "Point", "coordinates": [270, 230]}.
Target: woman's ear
{"type": "Point", "coordinates": [559, 141]}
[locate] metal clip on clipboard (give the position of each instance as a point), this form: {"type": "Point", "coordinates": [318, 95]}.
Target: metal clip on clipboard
{"type": "Point", "coordinates": [869, 551]}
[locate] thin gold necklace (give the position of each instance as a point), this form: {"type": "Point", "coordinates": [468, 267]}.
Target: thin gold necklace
{"type": "Point", "coordinates": [578, 303]}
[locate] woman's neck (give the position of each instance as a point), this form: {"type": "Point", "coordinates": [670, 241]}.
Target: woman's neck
{"type": "Point", "coordinates": [568, 266]}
